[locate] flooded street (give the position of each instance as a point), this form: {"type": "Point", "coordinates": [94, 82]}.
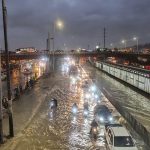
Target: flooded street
{"type": "Point", "coordinates": [50, 129]}
{"type": "Point", "coordinates": [137, 104]}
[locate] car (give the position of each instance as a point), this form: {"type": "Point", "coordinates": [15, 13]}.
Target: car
{"type": "Point", "coordinates": [73, 70]}
{"type": "Point", "coordinates": [118, 138]}
{"type": "Point", "coordinates": [103, 114]}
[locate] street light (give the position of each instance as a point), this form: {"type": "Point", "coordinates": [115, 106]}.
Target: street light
{"type": "Point", "coordinates": [60, 25]}
{"type": "Point", "coordinates": [97, 47]}
{"type": "Point", "coordinates": [137, 40]}
{"type": "Point", "coordinates": [125, 43]}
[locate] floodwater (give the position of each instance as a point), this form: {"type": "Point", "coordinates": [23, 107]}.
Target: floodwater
{"type": "Point", "coordinates": [59, 129]}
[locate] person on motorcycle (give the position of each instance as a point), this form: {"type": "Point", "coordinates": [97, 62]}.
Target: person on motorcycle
{"type": "Point", "coordinates": [5, 102]}
{"type": "Point", "coordinates": [86, 109]}
{"type": "Point", "coordinates": [53, 103]}
{"type": "Point", "coordinates": [94, 126]}
{"type": "Point", "coordinates": [94, 123]}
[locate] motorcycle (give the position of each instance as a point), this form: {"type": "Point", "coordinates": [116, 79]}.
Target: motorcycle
{"type": "Point", "coordinates": [86, 113]}
{"type": "Point", "coordinates": [94, 132]}
{"type": "Point", "coordinates": [53, 104]}
{"type": "Point", "coordinates": [94, 129]}
{"type": "Point", "coordinates": [86, 110]}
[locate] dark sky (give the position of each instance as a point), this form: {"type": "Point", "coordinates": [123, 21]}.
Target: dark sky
{"type": "Point", "coordinates": [30, 20]}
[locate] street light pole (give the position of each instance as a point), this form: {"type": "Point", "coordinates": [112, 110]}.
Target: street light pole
{"type": "Point", "coordinates": [53, 46]}
{"type": "Point", "coordinates": [137, 42]}
{"type": "Point", "coordinates": [1, 112]}
{"type": "Point", "coordinates": [11, 130]}
{"type": "Point", "coordinates": [125, 43]}
{"type": "Point", "coordinates": [137, 45]}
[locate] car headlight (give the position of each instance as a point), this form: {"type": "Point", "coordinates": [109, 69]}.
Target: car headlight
{"type": "Point", "coordinates": [85, 112]}
{"type": "Point", "coordinates": [110, 118]}
{"type": "Point", "coordinates": [101, 119]}
{"type": "Point", "coordinates": [73, 81]}
{"type": "Point", "coordinates": [87, 96]}
{"type": "Point", "coordinates": [74, 110]}
{"type": "Point", "coordinates": [93, 88]}
{"type": "Point", "coordinates": [96, 96]}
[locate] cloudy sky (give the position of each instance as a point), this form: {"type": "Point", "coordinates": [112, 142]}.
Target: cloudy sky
{"type": "Point", "coordinates": [30, 20]}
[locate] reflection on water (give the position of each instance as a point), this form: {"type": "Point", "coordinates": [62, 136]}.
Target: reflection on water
{"type": "Point", "coordinates": [60, 129]}
{"type": "Point", "coordinates": [18, 78]}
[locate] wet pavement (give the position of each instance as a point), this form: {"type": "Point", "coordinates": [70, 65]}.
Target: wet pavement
{"type": "Point", "coordinates": [38, 127]}
{"type": "Point", "coordinates": [53, 130]}
{"type": "Point", "coordinates": [137, 104]}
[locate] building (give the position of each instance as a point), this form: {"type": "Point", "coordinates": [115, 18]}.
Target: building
{"type": "Point", "coordinates": [26, 50]}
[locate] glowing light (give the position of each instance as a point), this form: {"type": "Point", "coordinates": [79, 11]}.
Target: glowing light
{"type": "Point", "coordinates": [59, 24]}
{"type": "Point", "coordinates": [123, 41]}
{"type": "Point", "coordinates": [97, 47]}
{"type": "Point", "coordinates": [134, 38]}
{"type": "Point", "coordinates": [101, 119]}
{"type": "Point", "coordinates": [41, 64]}
{"type": "Point", "coordinates": [87, 96]}
{"type": "Point", "coordinates": [110, 119]}
{"type": "Point", "coordinates": [74, 110]}
{"type": "Point", "coordinates": [93, 88]}
{"type": "Point", "coordinates": [96, 96]}
{"type": "Point", "coordinates": [44, 58]}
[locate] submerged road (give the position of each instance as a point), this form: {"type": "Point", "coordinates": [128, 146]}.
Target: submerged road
{"type": "Point", "coordinates": [38, 127]}
{"type": "Point", "coordinates": [137, 104]}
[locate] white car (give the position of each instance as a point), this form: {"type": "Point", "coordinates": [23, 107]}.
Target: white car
{"type": "Point", "coordinates": [118, 138]}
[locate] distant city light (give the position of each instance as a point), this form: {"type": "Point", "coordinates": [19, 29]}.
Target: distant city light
{"type": "Point", "coordinates": [123, 41]}
{"type": "Point", "coordinates": [44, 58]}
{"type": "Point", "coordinates": [97, 47]}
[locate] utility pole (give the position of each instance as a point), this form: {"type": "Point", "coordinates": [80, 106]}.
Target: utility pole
{"type": "Point", "coordinates": [1, 112]}
{"type": "Point", "coordinates": [11, 130]}
{"type": "Point", "coordinates": [53, 47]}
{"type": "Point", "coordinates": [48, 54]}
{"type": "Point", "coordinates": [88, 48]}
{"type": "Point", "coordinates": [104, 37]}
{"type": "Point", "coordinates": [48, 42]}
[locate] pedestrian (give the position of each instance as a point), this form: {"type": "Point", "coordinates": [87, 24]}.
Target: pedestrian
{"type": "Point", "coordinates": [5, 102]}
{"type": "Point", "coordinates": [20, 88]}
{"type": "Point", "coordinates": [16, 92]}
{"type": "Point", "coordinates": [27, 85]}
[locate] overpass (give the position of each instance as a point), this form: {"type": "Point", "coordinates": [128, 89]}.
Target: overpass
{"type": "Point", "coordinates": [133, 57]}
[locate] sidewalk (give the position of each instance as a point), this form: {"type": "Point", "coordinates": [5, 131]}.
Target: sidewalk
{"type": "Point", "coordinates": [26, 107]}
{"type": "Point", "coordinates": [29, 106]}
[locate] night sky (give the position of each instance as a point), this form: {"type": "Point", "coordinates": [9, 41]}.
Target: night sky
{"type": "Point", "coordinates": [30, 20]}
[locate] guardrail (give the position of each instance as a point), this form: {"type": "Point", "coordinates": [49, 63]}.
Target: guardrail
{"type": "Point", "coordinates": [134, 77]}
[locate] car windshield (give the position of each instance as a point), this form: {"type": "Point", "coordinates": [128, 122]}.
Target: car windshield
{"type": "Point", "coordinates": [123, 141]}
